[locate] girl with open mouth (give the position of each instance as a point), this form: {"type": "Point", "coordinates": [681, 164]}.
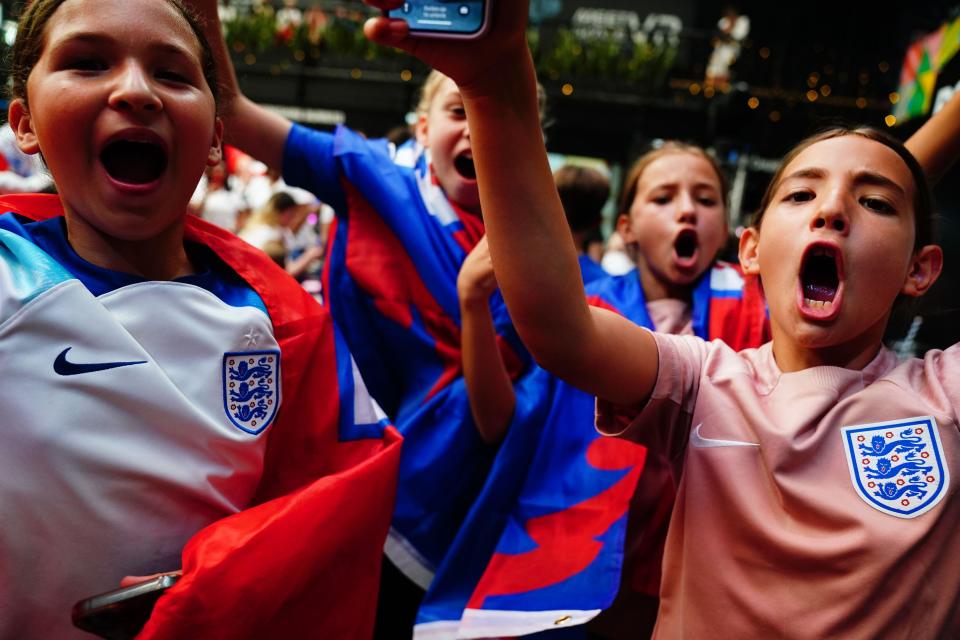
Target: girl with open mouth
{"type": "Point", "coordinates": [818, 473]}
{"type": "Point", "coordinates": [150, 419]}
{"type": "Point", "coordinates": [406, 219]}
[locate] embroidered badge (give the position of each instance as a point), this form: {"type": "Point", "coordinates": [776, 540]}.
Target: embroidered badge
{"type": "Point", "coordinates": [898, 467]}
{"type": "Point", "coordinates": [251, 388]}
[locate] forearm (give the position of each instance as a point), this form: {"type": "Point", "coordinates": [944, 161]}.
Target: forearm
{"type": "Point", "coordinates": [530, 241]}
{"type": "Point", "coordinates": [936, 144]}
{"type": "Point", "coordinates": [298, 266]}
{"type": "Point", "coordinates": [489, 388]}
{"type": "Point", "coordinates": [531, 246]}
{"type": "Point", "coordinates": [248, 126]}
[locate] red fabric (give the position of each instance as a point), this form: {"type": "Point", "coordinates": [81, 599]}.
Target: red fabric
{"type": "Point", "coordinates": [304, 562]}
{"type": "Point", "coordinates": [741, 323]}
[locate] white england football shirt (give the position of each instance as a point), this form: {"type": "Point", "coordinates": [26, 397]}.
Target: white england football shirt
{"type": "Point", "coordinates": [134, 413]}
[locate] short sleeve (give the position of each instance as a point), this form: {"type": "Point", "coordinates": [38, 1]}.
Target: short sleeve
{"type": "Point", "coordinates": [665, 418]}
{"type": "Point", "coordinates": [941, 380]}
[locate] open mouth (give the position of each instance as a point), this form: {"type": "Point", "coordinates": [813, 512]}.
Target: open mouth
{"type": "Point", "coordinates": [686, 246]}
{"type": "Point", "coordinates": [820, 277]}
{"type": "Point", "coordinates": [465, 167]}
{"type": "Point", "coordinates": [134, 162]}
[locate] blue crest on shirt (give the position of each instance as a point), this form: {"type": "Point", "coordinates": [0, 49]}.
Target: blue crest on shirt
{"type": "Point", "coordinates": [251, 388]}
{"type": "Point", "coordinates": [898, 467]}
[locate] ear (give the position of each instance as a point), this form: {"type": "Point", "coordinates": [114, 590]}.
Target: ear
{"type": "Point", "coordinates": [421, 131]}
{"type": "Point", "coordinates": [215, 155]}
{"type": "Point", "coordinates": [22, 126]}
{"type": "Point", "coordinates": [925, 268]}
{"type": "Point", "coordinates": [749, 252]}
{"type": "Point", "coordinates": [623, 228]}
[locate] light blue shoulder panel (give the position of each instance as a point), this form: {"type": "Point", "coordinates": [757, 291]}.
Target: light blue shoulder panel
{"type": "Point", "coordinates": [26, 271]}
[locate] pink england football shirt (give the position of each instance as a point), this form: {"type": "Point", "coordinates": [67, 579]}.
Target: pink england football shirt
{"type": "Point", "coordinates": [816, 504]}
{"type": "Point", "coordinates": [670, 315]}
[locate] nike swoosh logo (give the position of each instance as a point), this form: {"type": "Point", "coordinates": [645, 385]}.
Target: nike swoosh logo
{"type": "Point", "coordinates": [698, 441]}
{"type": "Point", "coordinates": [66, 368]}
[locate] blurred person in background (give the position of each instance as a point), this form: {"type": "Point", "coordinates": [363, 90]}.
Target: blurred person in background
{"type": "Point", "coordinates": [583, 193]}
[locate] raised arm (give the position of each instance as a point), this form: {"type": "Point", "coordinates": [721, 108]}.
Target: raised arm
{"type": "Point", "coordinates": [257, 131]}
{"type": "Point", "coordinates": [489, 387]}
{"type": "Point", "coordinates": [936, 144]}
{"type": "Point", "coordinates": [530, 243]}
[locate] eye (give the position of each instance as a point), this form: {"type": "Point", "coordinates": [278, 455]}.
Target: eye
{"type": "Point", "coordinates": [800, 196]}
{"type": "Point", "coordinates": [877, 204]}
{"type": "Point", "coordinates": [662, 199]}
{"type": "Point", "coordinates": [86, 63]}
{"type": "Point", "coordinates": [171, 75]}
{"type": "Point", "coordinates": [458, 112]}
{"type": "Point", "coordinates": [707, 202]}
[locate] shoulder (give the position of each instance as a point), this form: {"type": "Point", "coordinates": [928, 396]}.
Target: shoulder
{"type": "Point", "coordinates": [26, 271]}
{"type": "Point", "coordinates": [714, 361]}
{"type": "Point", "coordinates": [940, 367]}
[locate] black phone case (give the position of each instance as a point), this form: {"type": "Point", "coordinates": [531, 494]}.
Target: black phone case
{"type": "Point", "coordinates": [121, 614]}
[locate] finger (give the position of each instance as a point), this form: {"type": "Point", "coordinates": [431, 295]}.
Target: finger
{"type": "Point", "coordinates": [384, 5]}
{"type": "Point", "coordinates": [392, 33]}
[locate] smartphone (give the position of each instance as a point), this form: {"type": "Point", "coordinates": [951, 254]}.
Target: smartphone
{"type": "Point", "coordinates": [121, 614]}
{"type": "Point", "coordinates": [464, 19]}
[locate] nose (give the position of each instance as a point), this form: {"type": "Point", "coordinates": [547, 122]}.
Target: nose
{"type": "Point", "coordinates": [133, 89]}
{"type": "Point", "coordinates": [832, 213]}
{"type": "Point", "coordinates": [686, 208]}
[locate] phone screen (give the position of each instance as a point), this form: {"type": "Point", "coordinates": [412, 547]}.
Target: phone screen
{"type": "Point", "coordinates": [453, 17]}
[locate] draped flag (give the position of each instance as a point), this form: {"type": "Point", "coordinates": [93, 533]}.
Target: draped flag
{"type": "Point", "coordinates": [390, 284]}
{"type": "Point", "coordinates": [922, 63]}
{"type": "Point", "coordinates": [305, 559]}
{"type": "Point", "coordinates": [548, 552]}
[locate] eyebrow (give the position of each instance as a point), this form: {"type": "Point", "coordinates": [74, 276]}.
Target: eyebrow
{"type": "Point", "coordinates": [861, 177]}
{"type": "Point", "coordinates": [100, 38]}
{"type": "Point", "coordinates": [674, 185]}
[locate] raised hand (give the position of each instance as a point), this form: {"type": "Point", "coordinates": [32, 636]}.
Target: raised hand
{"type": "Point", "coordinates": [476, 280]}
{"type": "Point", "coordinates": [468, 62]}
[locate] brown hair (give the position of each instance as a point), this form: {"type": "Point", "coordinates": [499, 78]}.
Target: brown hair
{"type": "Point", "coordinates": [923, 215]}
{"type": "Point", "coordinates": [30, 42]}
{"type": "Point", "coordinates": [630, 183]}
{"type": "Point", "coordinates": [583, 192]}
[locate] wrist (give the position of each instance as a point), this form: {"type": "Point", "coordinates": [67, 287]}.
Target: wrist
{"type": "Point", "coordinates": [473, 299]}
{"type": "Point", "coordinates": [511, 75]}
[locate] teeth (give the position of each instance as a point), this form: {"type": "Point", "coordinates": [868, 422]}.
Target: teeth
{"type": "Point", "coordinates": [817, 304]}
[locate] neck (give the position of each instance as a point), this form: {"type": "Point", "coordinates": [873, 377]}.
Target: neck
{"type": "Point", "coordinates": [161, 257]}
{"type": "Point", "coordinates": [656, 288]}
{"type": "Point", "coordinates": [792, 355]}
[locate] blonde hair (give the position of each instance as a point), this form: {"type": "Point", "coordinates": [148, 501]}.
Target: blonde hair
{"type": "Point", "coordinates": [269, 213]}
{"type": "Point", "coordinates": [431, 85]}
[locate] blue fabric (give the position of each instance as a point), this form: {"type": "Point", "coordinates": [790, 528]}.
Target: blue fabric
{"type": "Point", "coordinates": [590, 270]}
{"type": "Point", "coordinates": [32, 271]}
{"type": "Point", "coordinates": [410, 253]}
{"type": "Point", "coordinates": [51, 236]}
{"type": "Point", "coordinates": [540, 472]}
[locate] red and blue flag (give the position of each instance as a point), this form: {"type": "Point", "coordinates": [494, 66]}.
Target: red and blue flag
{"type": "Point", "coordinates": [548, 551]}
